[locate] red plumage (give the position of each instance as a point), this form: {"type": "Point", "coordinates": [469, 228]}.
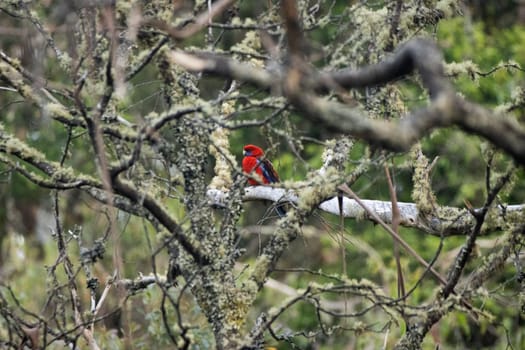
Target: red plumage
{"type": "Point", "coordinates": [254, 162]}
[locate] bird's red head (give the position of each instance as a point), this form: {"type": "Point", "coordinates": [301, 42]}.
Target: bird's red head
{"type": "Point", "coordinates": [253, 151]}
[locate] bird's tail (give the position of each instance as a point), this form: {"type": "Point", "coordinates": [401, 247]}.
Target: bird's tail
{"type": "Point", "coordinates": [280, 208]}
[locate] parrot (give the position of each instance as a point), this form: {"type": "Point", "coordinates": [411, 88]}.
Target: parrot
{"type": "Point", "coordinates": [254, 162]}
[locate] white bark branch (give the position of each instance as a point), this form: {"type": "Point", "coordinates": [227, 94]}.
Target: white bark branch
{"type": "Point", "coordinates": [446, 220]}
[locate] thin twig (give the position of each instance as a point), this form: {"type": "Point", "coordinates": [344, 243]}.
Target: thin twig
{"type": "Point", "coordinates": [396, 219]}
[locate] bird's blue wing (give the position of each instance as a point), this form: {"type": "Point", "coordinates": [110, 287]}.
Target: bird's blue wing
{"type": "Point", "coordinates": [268, 171]}
{"type": "Point", "coordinates": [271, 176]}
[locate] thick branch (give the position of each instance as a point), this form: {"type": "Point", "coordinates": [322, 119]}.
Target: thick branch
{"type": "Point", "coordinates": [422, 56]}
{"type": "Point", "coordinates": [292, 23]}
{"type": "Point", "coordinates": [448, 220]}
{"type": "Point", "coordinates": [419, 55]}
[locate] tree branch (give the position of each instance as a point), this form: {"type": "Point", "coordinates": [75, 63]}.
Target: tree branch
{"type": "Point", "coordinates": [419, 55]}
{"type": "Point", "coordinates": [454, 221]}
{"type": "Point", "coordinates": [10, 145]}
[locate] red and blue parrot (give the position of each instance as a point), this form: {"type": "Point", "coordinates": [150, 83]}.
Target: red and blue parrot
{"type": "Point", "coordinates": [254, 162]}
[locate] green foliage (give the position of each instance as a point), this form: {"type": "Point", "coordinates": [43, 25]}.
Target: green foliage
{"type": "Point", "coordinates": [470, 41]}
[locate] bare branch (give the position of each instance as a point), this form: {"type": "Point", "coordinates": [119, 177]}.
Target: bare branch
{"type": "Point", "coordinates": [457, 221]}
{"type": "Point", "coordinates": [446, 109]}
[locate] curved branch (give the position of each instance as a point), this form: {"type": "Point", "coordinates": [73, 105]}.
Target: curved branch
{"type": "Point", "coordinates": [126, 189]}
{"type": "Point", "coordinates": [446, 110]}
{"type": "Point", "coordinates": [419, 55]}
